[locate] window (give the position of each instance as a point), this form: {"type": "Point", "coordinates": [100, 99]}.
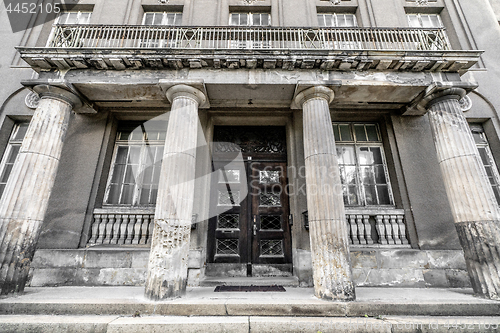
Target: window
{"type": "Point", "coordinates": [150, 38]}
{"type": "Point", "coordinates": [135, 169]}
{"type": "Point", "coordinates": [338, 40]}
{"type": "Point", "coordinates": [247, 39]}
{"type": "Point", "coordinates": [74, 18]}
{"type": "Point", "coordinates": [487, 158]}
{"type": "Point", "coordinates": [162, 18]}
{"type": "Point", "coordinates": [337, 20]}
{"type": "Point", "coordinates": [11, 152]}
{"type": "Point", "coordinates": [424, 21]}
{"type": "Point", "coordinates": [250, 19]}
{"type": "Point", "coordinates": [363, 169]}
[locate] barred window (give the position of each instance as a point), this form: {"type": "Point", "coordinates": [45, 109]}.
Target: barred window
{"type": "Point", "coordinates": [363, 168]}
{"type": "Point", "coordinates": [11, 152]}
{"type": "Point", "coordinates": [135, 168]}
{"type": "Point", "coordinates": [487, 158]}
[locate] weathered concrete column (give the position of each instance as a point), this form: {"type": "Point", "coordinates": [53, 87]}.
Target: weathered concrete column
{"type": "Point", "coordinates": [473, 204]}
{"type": "Point", "coordinates": [168, 259]}
{"type": "Point", "coordinates": [25, 199]}
{"type": "Point", "coordinates": [327, 225]}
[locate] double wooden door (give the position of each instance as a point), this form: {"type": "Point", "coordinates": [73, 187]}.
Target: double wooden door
{"type": "Point", "coordinates": [250, 225]}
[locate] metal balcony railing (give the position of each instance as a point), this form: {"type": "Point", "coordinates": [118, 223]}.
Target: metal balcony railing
{"type": "Point", "coordinates": [254, 38]}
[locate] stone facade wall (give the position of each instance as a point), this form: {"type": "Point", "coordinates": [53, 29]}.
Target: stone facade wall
{"type": "Point", "coordinates": [371, 268]}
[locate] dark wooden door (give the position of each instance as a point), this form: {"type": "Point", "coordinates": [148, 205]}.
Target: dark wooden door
{"type": "Point", "coordinates": [250, 230]}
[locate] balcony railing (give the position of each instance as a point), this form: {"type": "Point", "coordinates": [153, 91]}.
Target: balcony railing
{"type": "Point", "coordinates": [255, 38]}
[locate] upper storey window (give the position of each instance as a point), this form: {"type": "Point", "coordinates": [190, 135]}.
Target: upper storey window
{"type": "Point", "coordinates": [337, 20]}
{"type": "Point", "coordinates": [74, 18]}
{"type": "Point", "coordinates": [424, 21]}
{"type": "Point", "coordinates": [162, 18]}
{"type": "Point", "coordinates": [250, 19]}
{"type": "Point", "coordinates": [13, 147]}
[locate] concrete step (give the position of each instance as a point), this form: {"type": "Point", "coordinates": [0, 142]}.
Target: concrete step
{"type": "Point", "coordinates": [300, 302]}
{"type": "Point", "coordinates": [237, 324]}
{"type": "Point", "coordinates": [209, 281]}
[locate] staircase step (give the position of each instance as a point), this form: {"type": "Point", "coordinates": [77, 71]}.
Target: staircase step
{"type": "Point", "coordinates": [167, 324]}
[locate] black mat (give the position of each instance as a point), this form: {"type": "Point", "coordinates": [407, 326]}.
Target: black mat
{"type": "Point", "coordinates": [274, 288]}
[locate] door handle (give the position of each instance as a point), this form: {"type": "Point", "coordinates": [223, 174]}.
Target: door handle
{"type": "Point", "coordinates": [255, 225]}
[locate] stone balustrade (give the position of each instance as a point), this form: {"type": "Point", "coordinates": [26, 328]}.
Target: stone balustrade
{"type": "Point", "coordinates": [122, 228]}
{"type": "Point", "coordinates": [385, 227]}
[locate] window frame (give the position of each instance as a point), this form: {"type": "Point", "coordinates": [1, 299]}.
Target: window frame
{"type": "Point", "coordinates": [419, 18]}
{"type": "Point", "coordinates": [477, 128]}
{"type": "Point", "coordinates": [144, 144]}
{"type": "Point", "coordinates": [360, 186]}
{"type": "Point", "coordinates": [250, 18]}
{"type": "Point", "coordinates": [164, 20]}
{"type": "Point", "coordinates": [13, 142]}
{"type": "Point", "coordinates": [335, 19]}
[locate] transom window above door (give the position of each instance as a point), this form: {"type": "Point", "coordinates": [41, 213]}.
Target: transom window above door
{"type": "Point", "coordinates": [362, 163]}
{"type": "Point", "coordinates": [250, 19]}
{"type": "Point", "coordinates": [135, 169]}
{"type": "Point", "coordinates": [162, 18]}
{"type": "Point", "coordinates": [337, 20]}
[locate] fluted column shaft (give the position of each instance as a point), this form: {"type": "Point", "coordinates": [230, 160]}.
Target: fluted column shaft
{"type": "Point", "coordinates": [168, 259]}
{"type": "Point", "coordinates": [473, 204]}
{"type": "Point", "coordinates": [327, 226]}
{"type": "Point", "coordinates": [25, 199]}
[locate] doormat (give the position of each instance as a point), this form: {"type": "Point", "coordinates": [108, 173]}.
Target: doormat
{"type": "Point", "coordinates": [274, 288]}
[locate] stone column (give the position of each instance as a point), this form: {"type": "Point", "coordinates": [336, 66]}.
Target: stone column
{"type": "Point", "coordinates": [168, 259]}
{"type": "Point", "coordinates": [25, 199]}
{"type": "Point", "coordinates": [327, 225]}
{"type": "Point", "coordinates": [473, 204]}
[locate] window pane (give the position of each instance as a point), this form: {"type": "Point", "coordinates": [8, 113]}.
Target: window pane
{"type": "Point", "coordinates": [371, 130]}
{"type": "Point", "coordinates": [351, 196]}
{"type": "Point", "coordinates": [336, 133]}
{"type": "Point", "coordinates": [114, 194]}
{"type": "Point", "coordinates": [370, 195]}
{"type": "Point", "coordinates": [360, 132]}
{"type": "Point", "coordinates": [367, 175]}
{"type": "Point", "coordinates": [265, 19]}
{"type": "Point", "coordinates": [178, 19]}
{"type": "Point", "coordinates": [148, 18]}
{"type": "Point", "coordinates": [21, 131]}
{"type": "Point", "coordinates": [484, 155]}
{"type": "Point", "coordinates": [346, 155]}
{"type": "Point", "coordinates": [14, 151]}
{"type": "Point", "coordinates": [127, 194]}
{"type": "Point", "coordinates": [243, 19]}
{"type": "Point", "coordinates": [383, 195]}
{"type": "Point", "coordinates": [118, 173]}
{"type": "Point", "coordinates": [72, 18]}
{"type": "Point", "coordinates": [350, 20]}
{"type": "Point", "coordinates": [6, 173]}
{"type": "Point", "coordinates": [413, 21]}
{"type": "Point", "coordinates": [256, 19]}
{"type": "Point", "coordinates": [380, 174]}
{"type": "Point", "coordinates": [144, 200]}
{"type": "Point", "coordinates": [235, 19]}
{"type": "Point", "coordinates": [345, 132]}
{"type": "Point", "coordinates": [121, 155]}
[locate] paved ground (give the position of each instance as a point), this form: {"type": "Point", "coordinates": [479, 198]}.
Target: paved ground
{"type": "Point", "coordinates": [125, 309]}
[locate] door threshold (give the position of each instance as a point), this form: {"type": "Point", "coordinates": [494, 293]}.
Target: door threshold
{"type": "Point", "coordinates": [213, 281]}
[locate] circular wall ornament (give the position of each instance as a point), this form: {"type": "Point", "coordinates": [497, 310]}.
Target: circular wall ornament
{"type": "Point", "coordinates": [32, 100]}
{"type": "Point", "coordinates": [422, 2]}
{"type": "Point", "coordinates": [465, 103]}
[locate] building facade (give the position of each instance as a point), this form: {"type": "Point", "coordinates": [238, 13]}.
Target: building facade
{"type": "Point", "coordinates": [186, 142]}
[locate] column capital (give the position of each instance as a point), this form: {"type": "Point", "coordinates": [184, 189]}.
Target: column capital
{"type": "Point", "coordinates": [184, 90]}
{"type": "Point", "coordinates": [314, 92]}
{"type": "Point", "coordinates": [436, 92]}
{"type": "Point", "coordinates": [60, 94]}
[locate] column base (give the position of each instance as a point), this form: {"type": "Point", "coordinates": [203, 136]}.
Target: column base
{"type": "Point", "coordinates": [158, 290]}
{"type": "Point", "coordinates": [481, 244]}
